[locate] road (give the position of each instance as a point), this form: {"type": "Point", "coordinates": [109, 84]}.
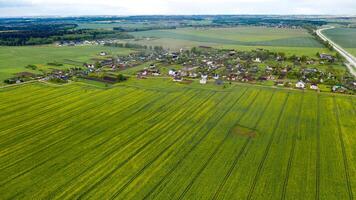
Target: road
{"type": "Point", "coordinates": [351, 60]}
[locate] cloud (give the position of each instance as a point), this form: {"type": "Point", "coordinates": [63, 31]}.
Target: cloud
{"type": "Point", "coordinates": [144, 7]}
{"type": "Point", "coordinates": [15, 3]}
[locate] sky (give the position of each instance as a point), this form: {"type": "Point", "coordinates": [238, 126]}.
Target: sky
{"type": "Point", "coordinates": [11, 8]}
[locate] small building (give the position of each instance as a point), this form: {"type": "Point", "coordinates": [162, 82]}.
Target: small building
{"type": "Point", "coordinates": [202, 81]}
{"type": "Point", "coordinates": [314, 87]}
{"type": "Point", "coordinates": [328, 57]}
{"type": "Point", "coordinates": [177, 79]}
{"type": "Point", "coordinates": [257, 60]}
{"type": "Point", "coordinates": [339, 89]}
{"type": "Point", "coordinates": [89, 66]}
{"type": "Point", "coordinates": [172, 72]}
{"type": "Point", "coordinates": [103, 53]}
{"type": "Point", "coordinates": [300, 85]}
{"type": "Point", "coordinates": [193, 75]}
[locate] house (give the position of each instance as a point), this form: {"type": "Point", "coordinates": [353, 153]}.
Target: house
{"type": "Point", "coordinates": [300, 85]}
{"type": "Point", "coordinates": [103, 53]}
{"type": "Point", "coordinates": [257, 60]}
{"type": "Point", "coordinates": [177, 79]}
{"type": "Point", "coordinates": [172, 72]}
{"type": "Point", "coordinates": [193, 75]}
{"type": "Point", "coordinates": [90, 66]}
{"type": "Point", "coordinates": [156, 73]}
{"type": "Point", "coordinates": [204, 79]}
{"type": "Point", "coordinates": [232, 53]}
{"type": "Point", "coordinates": [268, 68]}
{"type": "Point", "coordinates": [314, 87]}
{"type": "Point", "coordinates": [328, 57]}
{"type": "Point", "coordinates": [279, 83]}
{"type": "Point", "coordinates": [339, 89]}
{"type": "Point", "coordinates": [216, 76]}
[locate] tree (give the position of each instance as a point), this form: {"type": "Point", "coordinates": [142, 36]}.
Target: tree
{"type": "Point", "coordinates": [98, 65]}
{"type": "Point", "coordinates": [121, 78]}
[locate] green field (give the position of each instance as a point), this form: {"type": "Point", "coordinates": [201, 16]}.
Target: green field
{"type": "Point", "coordinates": [154, 139]}
{"type": "Point", "coordinates": [298, 40]}
{"type": "Point", "coordinates": [345, 37]}
{"type": "Point", "coordinates": [14, 59]}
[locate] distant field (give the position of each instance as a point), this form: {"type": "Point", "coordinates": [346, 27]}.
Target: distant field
{"type": "Point", "coordinates": [231, 37]}
{"type": "Point", "coordinates": [14, 59]}
{"type": "Point", "coordinates": [112, 25]}
{"type": "Point", "coordinates": [156, 139]}
{"type": "Point", "coordinates": [345, 37]}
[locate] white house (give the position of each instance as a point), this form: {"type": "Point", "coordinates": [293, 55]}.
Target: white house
{"type": "Point", "coordinates": [257, 60]}
{"type": "Point", "coordinates": [90, 66]}
{"type": "Point", "coordinates": [177, 79]}
{"type": "Point", "coordinates": [172, 72]}
{"type": "Point", "coordinates": [314, 87]}
{"type": "Point", "coordinates": [202, 81]}
{"type": "Point", "coordinates": [103, 53]}
{"type": "Point", "coordinates": [300, 84]}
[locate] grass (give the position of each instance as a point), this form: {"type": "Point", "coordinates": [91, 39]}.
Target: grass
{"type": "Point", "coordinates": [154, 138]}
{"type": "Point", "coordinates": [14, 59]}
{"type": "Point", "coordinates": [351, 50]}
{"type": "Point", "coordinates": [345, 37]}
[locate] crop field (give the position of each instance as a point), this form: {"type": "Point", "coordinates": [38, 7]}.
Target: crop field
{"type": "Point", "coordinates": [253, 37]}
{"type": "Point", "coordinates": [160, 140]}
{"type": "Point", "coordinates": [14, 59]}
{"type": "Point", "coordinates": [345, 37]}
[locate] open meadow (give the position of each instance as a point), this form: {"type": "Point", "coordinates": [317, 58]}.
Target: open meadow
{"type": "Point", "coordinates": [155, 139]}
{"type": "Point", "coordinates": [290, 41]}
{"type": "Point", "coordinates": [14, 59]}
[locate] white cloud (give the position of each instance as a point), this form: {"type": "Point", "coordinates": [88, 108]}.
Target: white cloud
{"type": "Point", "coordinates": [143, 7]}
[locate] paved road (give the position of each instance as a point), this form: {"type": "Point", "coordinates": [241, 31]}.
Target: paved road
{"type": "Point", "coordinates": [351, 60]}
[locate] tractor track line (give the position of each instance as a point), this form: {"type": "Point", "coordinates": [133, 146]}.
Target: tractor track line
{"type": "Point", "coordinates": [58, 141]}
{"type": "Point", "coordinates": [342, 144]}
{"type": "Point", "coordinates": [39, 164]}
{"type": "Point", "coordinates": [188, 152]}
{"type": "Point", "coordinates": [260, 166]}
{"type": "Point", "coordinates": [215, 151]}
{"type": "Point", "coordinates": [317, 173]}
{"type": "Point", "coordinates": [113, 150]}
{"type": "Point", "coordinates": [292, 150]}
{"type": "Point", "coordinates": [149, 164]}
{"type": "Point", "coordinates": [138, 151]}
{"type": "Point", "coordinates": [242, 150]}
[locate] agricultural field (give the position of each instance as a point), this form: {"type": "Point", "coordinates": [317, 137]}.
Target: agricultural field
{"type": "Point", "coordinates": [14, 59]}
{"type": "Point", "coordinates": [345, 37]}
{"type": "Point", "coordinates": [292, 41]}
{"type": "Point", "coordinates": [155, 139]}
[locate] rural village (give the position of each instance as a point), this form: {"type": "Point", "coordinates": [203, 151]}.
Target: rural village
{"type": "Point", "coordinates": [206, 65]}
